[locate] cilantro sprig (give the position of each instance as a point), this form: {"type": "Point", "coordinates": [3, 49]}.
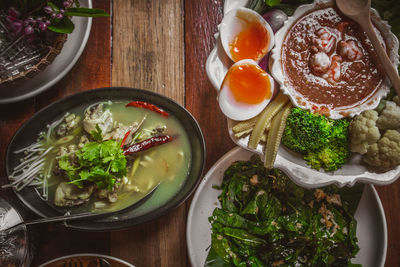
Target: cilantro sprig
{"type": "Point", "coordinates": [97, 134]}
{"type": "Point", "coordinates": [101, 163]}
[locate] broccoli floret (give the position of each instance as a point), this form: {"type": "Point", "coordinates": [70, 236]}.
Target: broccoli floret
{"type": "Point", "coordinates": [305, 131]}
{"type": "Point", "coordinates": [330, 158]}
{"type": "Point", "coordinates": [323, 141]}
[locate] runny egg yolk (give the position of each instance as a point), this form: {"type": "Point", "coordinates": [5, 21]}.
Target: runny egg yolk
{"type": "Point", "coordinates": [251, 43]}
{"type": "Point", "coordinates": [249, 84]}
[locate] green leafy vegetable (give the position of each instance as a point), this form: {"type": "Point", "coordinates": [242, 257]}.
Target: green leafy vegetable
{"type": "Point", "coordinates": [267, 220]}
{"type": "Point", "coordinates": [87, 12]}
{"type": "Point", "coordinates": [323, 141]}
{"type": "Point", "coordinates": [63, 26]}
{"type": "Point", "coordinates": [97, 134]}
{"type": "Point", "coordinates": [272, 3]}
{"type": "Point", "coordinates": [100, 163]}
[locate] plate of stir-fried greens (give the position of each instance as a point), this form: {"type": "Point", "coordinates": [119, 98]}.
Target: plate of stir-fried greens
{"type": "Point", "coordinates": [245, 215]}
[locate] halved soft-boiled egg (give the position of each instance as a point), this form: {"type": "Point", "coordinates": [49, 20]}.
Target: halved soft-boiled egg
{"type": "Point", "coordinates": [245, 35]}
{"type": "Point", "coordinates": [245, 91]}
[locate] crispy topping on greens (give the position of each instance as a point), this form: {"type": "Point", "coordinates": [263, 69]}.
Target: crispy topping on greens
{"type": "Point", "coordinates": [267, 220]}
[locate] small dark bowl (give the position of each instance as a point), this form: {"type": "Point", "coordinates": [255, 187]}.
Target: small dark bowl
{"type": "Point", "coordinates": [29, 131]}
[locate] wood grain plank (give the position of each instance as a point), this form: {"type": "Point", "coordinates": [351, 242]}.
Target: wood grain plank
{"type": "Point", "coordinates": [390, 197]}
{"type": "Point", "coordinates": [92, 70]}
{"type": "Point", "coordinates": [201, 20]}
{"type": "Point", "coordinates": [148, 53]}
{"type": "Point", "coordinates": [148, 48]}
{"type": "Point", "coordinates": [160, 242]}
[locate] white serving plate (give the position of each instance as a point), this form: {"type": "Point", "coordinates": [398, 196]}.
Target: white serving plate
{"type": "Point", "coordinates": [371, 221]}
{"type": "Point", "coordinates": [61, 65]}
{"type": "Point", "coordinates": [294, 166]}
{"type": "Point", "coordinates": [75, 257]}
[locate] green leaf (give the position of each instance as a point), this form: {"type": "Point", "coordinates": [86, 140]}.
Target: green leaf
{"type": "Point", "coordinates": [223, 249]}
{"type": "Point", "coordinates": [352, 196]}
{"type": "Point", "coordinates": [85, 174]}
{"type": "Point", "coordinates": [65, 164]}
{"type": "Point", "coordinates": [86, 12]}
{"type": "Point", "coordinates": [89, 154]}
{"type": "Point", "coordinates": [214, 260]}
{"type": "Point", "coordinates": [118, 166]}
{"type": "Point", "coordinates": [268, 219]}
{"type": "Point", "coordinates": [99, 163]}
{"type": "Point", "coordinates": [272, 2]}
{"type": "Point", "coordinates": [53, 6]}
{"type": "Point", "coordinates": [64, 26]}
{"type": "Point", "coordinates": [97, 134]}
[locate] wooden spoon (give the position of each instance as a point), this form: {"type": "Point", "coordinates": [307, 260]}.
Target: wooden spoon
{"type": "Point", "coordinates": [360, 12]}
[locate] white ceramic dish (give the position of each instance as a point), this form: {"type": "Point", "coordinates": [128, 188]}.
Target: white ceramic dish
{"type": "Point", "coordinates": [218, 64]}
{"type": "Point", "coordinates": [86, 257]}
{"type": "Point", "coordinates": [61, 65]}
{"type": "Point", "coordinates": [299, 100]}
{"type": "Point", "coordinates": [371, 222]}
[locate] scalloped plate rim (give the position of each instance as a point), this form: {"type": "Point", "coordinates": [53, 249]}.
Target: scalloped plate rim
{"type": "Point", "coordinates": [216, 70]}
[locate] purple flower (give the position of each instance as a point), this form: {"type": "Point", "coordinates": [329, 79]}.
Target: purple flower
{"type": "Point", "coordinates": [47, 9]}
{"type": "Point", "coordinates": [62, 11]}
{"type": "Point", "coordinates": [59, 16]}
{"type": "Point", "coordinates": [14, 12]}
{"type": "Point", "coordinates": [31, 20]}
{"type": "Point", "coordinates": [47, 22]}
{"type": "Point", "coordinates": [11, 19]}
{"type": "Point", "coordinates": [28, 30]}
{"type": "Point", "coordinates": [67, 4]}
{"type": "Point", "coordinates": [53, 15]}
{"type": "Point", "coordinates": [43, 26]}
{"type": "Point", "coordinates": [16, 27]}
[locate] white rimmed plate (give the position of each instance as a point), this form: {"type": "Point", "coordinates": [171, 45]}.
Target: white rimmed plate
{"type": "Point", "coordinates": [61, 65]}
{"type": "Point", "coordinates": [218, 64]}
{"type": "Point", "coordinates": [371, 221]}
{"type": "Point", "coordinates": [85, 257]}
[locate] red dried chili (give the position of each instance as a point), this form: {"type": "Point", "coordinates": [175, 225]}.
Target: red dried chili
{"type": "Point", "coordinates": [141, 104]}
{"type": "Point", "coordinates": [125, 137]}
{"type": "Point", "coordinates": [146, 144]}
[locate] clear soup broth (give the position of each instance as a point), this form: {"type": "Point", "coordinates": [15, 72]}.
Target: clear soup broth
{"type": "Point", "coordinates": [167, 164]}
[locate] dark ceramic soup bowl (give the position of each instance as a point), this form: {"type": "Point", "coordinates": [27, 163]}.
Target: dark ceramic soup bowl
{"type": "Point", "coordinates": [30, 130]}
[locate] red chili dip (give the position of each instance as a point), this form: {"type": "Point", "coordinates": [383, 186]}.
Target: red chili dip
{"type": "Point", "coordinates": [327, 58]}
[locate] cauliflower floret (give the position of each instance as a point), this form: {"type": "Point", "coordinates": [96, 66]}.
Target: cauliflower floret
{"type": "Point", "coordinates": [390, 117]}
{"type": "Point", "coordinates": [363, 131]}
{"type": "Point", "coordinates": [386, 153]}
{"type": "Point", "coordinates": [396, 100]}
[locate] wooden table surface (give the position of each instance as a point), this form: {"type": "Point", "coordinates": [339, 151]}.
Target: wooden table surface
{"type": "Point", "coordinates": [158, 45]}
